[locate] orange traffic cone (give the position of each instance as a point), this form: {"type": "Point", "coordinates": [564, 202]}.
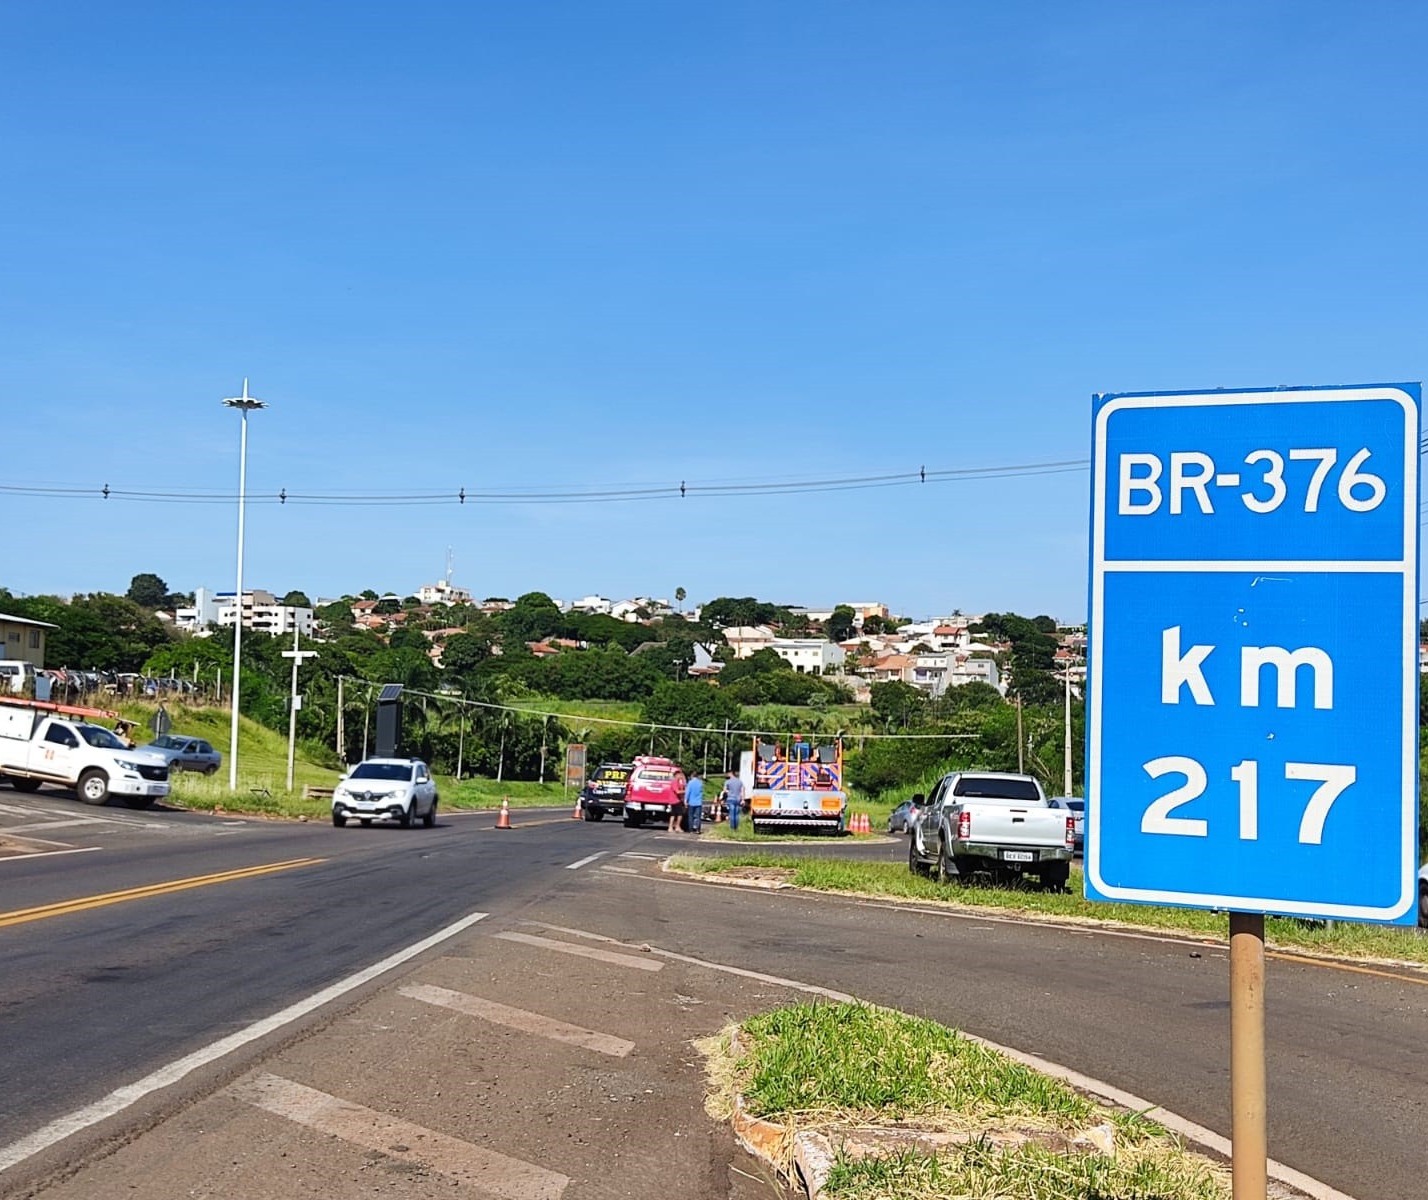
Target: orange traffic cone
{"type": "Point", "coordinates": [864, 824]}
{"type": "Point", "coordinates": [504, 820]}
{"type": "Point", "coordinates": [577, 814]}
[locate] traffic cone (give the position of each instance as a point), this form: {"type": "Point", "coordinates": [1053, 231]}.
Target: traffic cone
{"type": "Point", "coordinates": [577, 814]}
{"type": "Point", "coordinates": [504, 820]}
{"type": "Point", "coordinates": [864, 824]}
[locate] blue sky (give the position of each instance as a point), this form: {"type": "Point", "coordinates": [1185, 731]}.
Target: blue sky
{"type": "Point", "coordinates": [571, 244]}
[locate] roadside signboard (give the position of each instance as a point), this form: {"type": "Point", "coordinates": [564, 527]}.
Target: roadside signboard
{"type": "Point", "coordinates": [1252, 703]}
{"type": "Point", "coordinates": [575, 765]}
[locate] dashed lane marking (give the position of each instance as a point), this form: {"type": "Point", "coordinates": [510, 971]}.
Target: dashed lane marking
{"type": "Point", "coordinates": [646, 857]}
{"type": "Point", "coordinates": [518, 1018]}
{"type": "Point", "coordinates": [644, 963]}
{"type": "Point", "coordinates": [487, 1171]}
{"type": "Point", "coordinates": [585, 862]}
{"type": "Point", "coordinates": [131, 1093]}
{"type": "Point", "coordinates": [609, 870]}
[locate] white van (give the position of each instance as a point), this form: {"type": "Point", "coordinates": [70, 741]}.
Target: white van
{"type": "Point", "coordinates": [17, 677]}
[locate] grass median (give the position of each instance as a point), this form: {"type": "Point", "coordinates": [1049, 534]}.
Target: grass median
{"type": "Point", "coordinates": [964, 1119]}
{"type": "Point", "coordinates": [1342, 939]}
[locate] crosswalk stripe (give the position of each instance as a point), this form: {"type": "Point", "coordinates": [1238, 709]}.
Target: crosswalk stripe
{"type": "Point", "coordinates": [517, 1018]}
{"type": "Point", "coordinates": [489, 1172]}
{"type": "Point", "coordinates": [620, 960]}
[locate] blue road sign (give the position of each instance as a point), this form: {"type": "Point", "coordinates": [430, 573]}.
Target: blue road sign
{"type": "Point", "coordinates": [1252, 702]}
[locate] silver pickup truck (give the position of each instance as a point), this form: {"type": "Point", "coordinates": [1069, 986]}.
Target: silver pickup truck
{"type": "Point", "coordinates": [989, 821]}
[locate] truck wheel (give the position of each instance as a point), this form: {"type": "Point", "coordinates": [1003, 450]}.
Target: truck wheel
{"type": "Point", "coordinates": [914, 864]}
{"type": "Point", "coordinates": [587, 814]}
{"type": "Point", "coordinates": [631, 820]}
{"type": "Point", "coordinates": [429, 821]}
{"type": "Point", "coordinates": [339, 820]}
{"type": "Point", "coordinates": [965, 866]}
{"type": "Point", "coordinates": [946, 868]}
{"type": "Point", "coordinates": [1054, 876]}
{"type": "Point", "coordinates": [94, 787]}
{"type": "Point", "coordinates": [24, 785]}
{"type": "Point", "coordinates": [405, 818]}
{"type": "Point", "coordinates": [597, 814]}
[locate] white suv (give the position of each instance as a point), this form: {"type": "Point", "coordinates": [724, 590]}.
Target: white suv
{"type": "Point", "coordinates": [386, 789]}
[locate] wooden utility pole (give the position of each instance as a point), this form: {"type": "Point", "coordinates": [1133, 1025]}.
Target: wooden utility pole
{"type": "Point", "coordinates": [1020, 744]}
{"type": "Point", "coordinates": [1249, 1151]}
{"type": "Point", "coordinates": [341, 726]}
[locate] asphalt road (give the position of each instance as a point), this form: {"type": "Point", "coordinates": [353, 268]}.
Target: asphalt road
{"type": "Point", "coordinates": [100, 995]}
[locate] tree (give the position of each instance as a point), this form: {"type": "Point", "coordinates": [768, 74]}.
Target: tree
{"type": "Point", "coordinates": [147, 591]}
{"type": "Point", "coordinates": [462, 653]}
{"type": "Point", "coordinates": [898, 703]}
{"type": "Point", "coordinates": [872, 623]}
{"type": "Point", "coordinates": [841, 624]}
{"type": "Point", "coordinates": [297, 599]}
{"type": "Point", "coordinates": [679, 595]}
{"type": "Point", "coordinates": [532, 618]}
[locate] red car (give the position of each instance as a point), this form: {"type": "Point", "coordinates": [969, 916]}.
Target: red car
{"type": "Point", "coordinates": [656, 785]}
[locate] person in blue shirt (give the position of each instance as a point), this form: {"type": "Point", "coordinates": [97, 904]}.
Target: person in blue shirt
{"type": "Point", "coordinates": [694, 800]}
{"type": "Point", "coordinates": [733, 797]}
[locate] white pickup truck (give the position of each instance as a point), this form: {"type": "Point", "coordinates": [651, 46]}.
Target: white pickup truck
{"type": "Point", "coordinates": [989, 821]}
{"type": "Point", "coordinates": [41, 744]}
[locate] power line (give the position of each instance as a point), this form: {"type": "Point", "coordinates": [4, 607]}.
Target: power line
{"type": "Point", "coordinates": [555, 493]}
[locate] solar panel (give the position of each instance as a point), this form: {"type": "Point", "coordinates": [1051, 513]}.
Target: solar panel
{"type": "Point", "coordinates": [389, 692]}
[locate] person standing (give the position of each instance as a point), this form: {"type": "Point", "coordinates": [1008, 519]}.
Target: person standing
{"type": "Point", "coordinates": [694, 800]}
{"type": "Point", "coordinates": [733, 798]}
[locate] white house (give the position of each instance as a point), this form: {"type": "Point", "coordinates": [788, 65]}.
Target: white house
{"type": "Point", "coordinates": [443, 592]}
{"type": "Point", "coordinates": [810, 656]}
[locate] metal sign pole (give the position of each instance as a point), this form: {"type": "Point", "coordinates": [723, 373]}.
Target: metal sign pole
{"type": "Point", "coordinates": [1249, 1152]}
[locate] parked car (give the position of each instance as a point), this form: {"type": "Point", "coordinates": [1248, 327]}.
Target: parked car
{"type": "Point", "coordinates": [186, 753]}
{"type": "Point", "coordinates": [1423, 895]}
{"type": "Point", "coordinates": [904, 816]}
{"type": "Point", "coordinates": [993, 822]}
{"type": "Point", "coordinates": [1077, 808]}
{"type": "Point", "coordinates": [386, 789]}
{"type": "Point", "coordinates": [604, 792]}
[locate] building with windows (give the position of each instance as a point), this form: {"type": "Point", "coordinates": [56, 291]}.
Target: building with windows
{"type": "Point", "coordinates": [810, 656]}
{"type": "Point", "coordinates": [443, 591]}
{"type": "Point", "coordinates": [22, 639]}
{"type": "Point", "coordinates": [261, 612]}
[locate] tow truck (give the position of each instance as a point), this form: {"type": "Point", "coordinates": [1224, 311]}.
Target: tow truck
{"type": "Point", "coordinates": [795, 784]}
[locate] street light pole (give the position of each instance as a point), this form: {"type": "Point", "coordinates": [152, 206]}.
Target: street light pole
{"type": "Point", "coordinates": [244, 404]}
{"type": "Point", "coordinates": [1066, 749]}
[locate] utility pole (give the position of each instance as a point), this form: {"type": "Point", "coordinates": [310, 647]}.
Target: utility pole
{"type": "Point", "coordinates": [1066, 749]}
{"type": "Point", "coordinates": [1020, 744]}
{"type": "Point", "coordinates": [341, 725]}
{"type": "Point", "coordinates": [294, 700]}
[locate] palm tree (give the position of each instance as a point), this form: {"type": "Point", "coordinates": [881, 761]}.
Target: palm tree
{"type": "Point", "coordinates": [679, 595]}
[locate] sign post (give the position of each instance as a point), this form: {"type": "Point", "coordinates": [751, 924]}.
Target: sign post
{"type": "Point", "coordinates": [1252, 700]}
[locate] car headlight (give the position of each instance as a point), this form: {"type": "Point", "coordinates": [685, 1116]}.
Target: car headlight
{"type": "Point", "coordinates": [127, 765]}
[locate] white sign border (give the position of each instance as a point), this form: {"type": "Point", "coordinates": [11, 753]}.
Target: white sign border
{"type": "Point", "coordinates": [1406, 565]}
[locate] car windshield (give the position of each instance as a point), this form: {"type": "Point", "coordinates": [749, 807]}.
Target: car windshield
{"type": "Point", "coordinates": [655, 776]}
{"type": "Point", "coordinates": [996, 789]}
{"type": "Point", "coordinates": [167, 742]}
{"type": "Point", "coordinates": [100, 738]}
{"type": "Point", "coordinates": [1076, 805]}
{"type": "Point", "coordinates": [396, 772]}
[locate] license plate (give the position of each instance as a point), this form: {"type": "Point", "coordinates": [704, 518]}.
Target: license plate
{"type": "Point", "coordinates": [157, 789]}
{"type": "Point", "coordinates": [1018, 856]}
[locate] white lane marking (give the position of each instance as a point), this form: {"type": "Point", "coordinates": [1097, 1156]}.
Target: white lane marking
{"type": "Point", "coordinates": [813, 988]}
{"type": "Point", "coordinates": [35, 826]}
{"type": "Point", "coordinates": [622, 960]}
{"type": "Point", "coordinates": [130, 1093]}
{"type": "Point", "coordinates": [1107, 1091]}
{"type": "Point", "coordinates": [489, 1172]}
{"type": "Point", "coordinates": [23, 856]}
{"type": "Point", "coordinates": [586, 861]}
{"type": "Point", "coordinates": [647, 857]}
{"type": "Point", "coordinates": [518, 1018]}
{"type": "Point", "coordinates": [620, 871]}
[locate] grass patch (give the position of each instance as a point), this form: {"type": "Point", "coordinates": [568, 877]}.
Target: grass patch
{"type": "Point", "coordinates": [1006, 1132]}
{"type": "Point", "coordinates": [1344, 939]}
{"type": "Point", "coordinates": [982, 1171]}
{"type": "Point", "coordinates": [855, 1063]}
